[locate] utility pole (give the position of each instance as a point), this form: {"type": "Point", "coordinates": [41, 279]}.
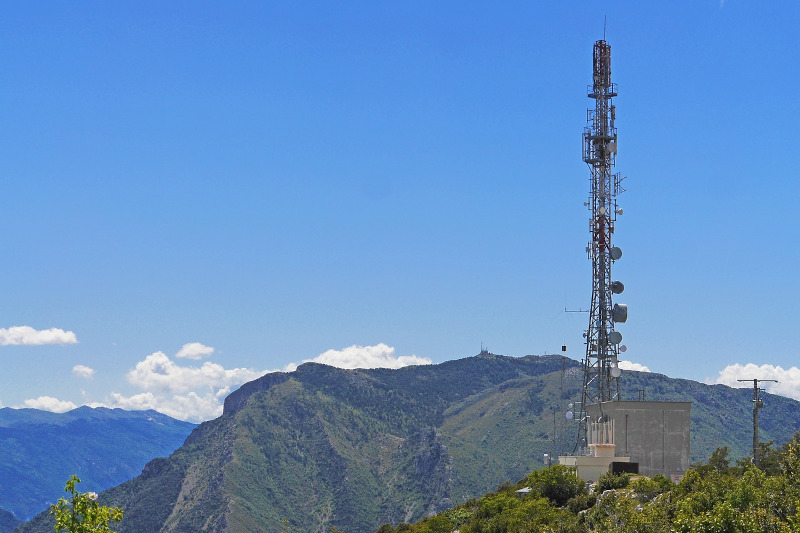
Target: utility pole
{"type": "Point", "coordinates": [562, 411]}
{"type": "Point", "coordinates": [758, 403]}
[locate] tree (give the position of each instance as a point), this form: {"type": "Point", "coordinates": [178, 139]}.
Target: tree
{"type": "Point", "coordinates": [718, 462]}
{"type": "Point", "coordinates": [711, 498]}
{"type": "Point", "coordinates": [82, 513]}
{"type": "Point", "coordinates": [769, 458]}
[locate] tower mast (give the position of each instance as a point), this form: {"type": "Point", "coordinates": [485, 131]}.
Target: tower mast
{"type": "Point", "coordinates": [600, 366]}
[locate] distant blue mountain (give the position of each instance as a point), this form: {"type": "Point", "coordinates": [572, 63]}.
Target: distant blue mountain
{"type": "Point", "coordinates": [39, 450]}
{"type": "Point", "coordinates": [8, 522]}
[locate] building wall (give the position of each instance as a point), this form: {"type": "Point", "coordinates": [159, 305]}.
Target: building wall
{"type": "Point", "coordinates": [589, 468]}
{"type": "Point", "coordinates": [653, 434]}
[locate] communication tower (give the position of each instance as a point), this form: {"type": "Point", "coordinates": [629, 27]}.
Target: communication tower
{"type": "Point", "coordinates": [603, 342]}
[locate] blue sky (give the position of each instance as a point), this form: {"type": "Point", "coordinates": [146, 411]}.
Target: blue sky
{"type": "Point", "coordinates": [277, 180]}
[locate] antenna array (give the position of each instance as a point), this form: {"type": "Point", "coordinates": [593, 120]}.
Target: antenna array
{"type": "Point", "coordinates": [600, 367]}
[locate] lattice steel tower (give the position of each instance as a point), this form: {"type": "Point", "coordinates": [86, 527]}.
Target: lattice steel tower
{"type": "Point", "coordinates": [600, 367]}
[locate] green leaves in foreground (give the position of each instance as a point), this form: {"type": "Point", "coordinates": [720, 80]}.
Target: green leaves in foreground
{"type": "Point", "coordinates": [82, 513]}
{"type": "Point", "coordinates": [711, 498]}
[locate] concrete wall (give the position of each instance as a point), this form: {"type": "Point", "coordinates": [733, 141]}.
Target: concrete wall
{"type": "Point", "coordinates": [653, 434]}
{"type": "Point", "coordinates": [589, 468]}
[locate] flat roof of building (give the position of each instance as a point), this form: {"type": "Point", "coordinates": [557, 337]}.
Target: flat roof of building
{"type": "Point", "coordinates": [644, 404]}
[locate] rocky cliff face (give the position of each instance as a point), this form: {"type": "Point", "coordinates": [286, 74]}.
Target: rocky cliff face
{"type": "Point", "coordinates": [433, 468]}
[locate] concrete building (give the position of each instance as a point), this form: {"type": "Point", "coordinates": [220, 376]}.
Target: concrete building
{"type": "Point", "coordinates": [653, 434]}
{"type": "Point", "coordinates": [601, 452]}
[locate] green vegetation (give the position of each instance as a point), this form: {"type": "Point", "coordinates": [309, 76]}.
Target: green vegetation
{"type": "Point", "coordinates": [713, 497]}
{"type": "Point", "coordinates": [323, 447]}
{"type": "Point", "coordinates": [82, 513]}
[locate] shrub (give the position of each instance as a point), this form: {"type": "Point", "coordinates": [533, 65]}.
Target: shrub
{"type": "Point", "coordinates": [581, 502]}
{"type": "Point", "coordinates": [82, 513]}
{"type": "Point", "coordinates": [610, 481]}
{"type": "Point", "coordinates": [557, 483]}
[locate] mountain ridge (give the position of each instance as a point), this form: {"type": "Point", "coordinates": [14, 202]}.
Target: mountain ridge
{"type": "Point", "coordinates": [39, 450]}
{"type": "Point", "coordinates": [323, 446]}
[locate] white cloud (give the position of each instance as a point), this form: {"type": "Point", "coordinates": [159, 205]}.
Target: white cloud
{"type": "Point", "coordinates": [630, 365]}
{"type": "Point", "coordinates": [48, 403]}
{"type": "Point", "coordinates": [788, 378]}
{"type": "Point", "coordinates": [26, 335]}
{"type": "Point", "coordinates": [184, 392]}
{"type": "Point", "coordinates": [378, 356]}
{"type": "Point", "coordinates": [190, 406]}
{"type": "Point", "coordinates": [205, 406]}
{"type": "Point", "coordinates": [137, 402]}
{"type": "Point", "coordinates": [82, 371]}
{"type": "Point", "coordinates": [194, 350]}
{"type": "Point", "coordinates": [197, 393]}
{"type": "Point", "coordinates": [159, 373]}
